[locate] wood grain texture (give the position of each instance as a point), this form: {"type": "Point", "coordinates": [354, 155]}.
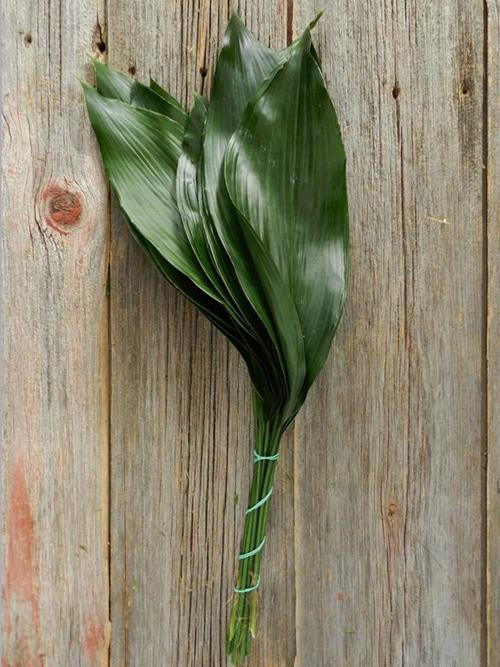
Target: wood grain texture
{"type": "Point", "coordinates": [181, 423]}
{"type": "Point", "coordinates": [55, 348]}
{"type": "Point", "coordinates": [390, 446]}
{"type": "Point", "coordinates": [492, 210]}
{"type": "Point", "coordinates": [384, 537]}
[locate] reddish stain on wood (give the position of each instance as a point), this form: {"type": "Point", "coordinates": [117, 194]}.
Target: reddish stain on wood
{"type": "Point", "coordinates": [20, 593]}
{"type": "Point", "coordinates": [94, 642]}
{"type": "Point", "coordinates": [63, 207]}
{"type": "Point", "coordinates": [21, 544]}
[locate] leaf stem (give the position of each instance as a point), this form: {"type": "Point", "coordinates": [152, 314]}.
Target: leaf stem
{"type": "Point", "coordinates": [243, 619]}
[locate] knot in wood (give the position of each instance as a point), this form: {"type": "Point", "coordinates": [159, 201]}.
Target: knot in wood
{"type": "Point", "coordinates": [63, 207]}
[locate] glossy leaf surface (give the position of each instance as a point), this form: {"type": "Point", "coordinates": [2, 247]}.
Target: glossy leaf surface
{"type": "Point", "coordinates": [140, 151]}
{"type": "Point", "coordinates": [285, 173]}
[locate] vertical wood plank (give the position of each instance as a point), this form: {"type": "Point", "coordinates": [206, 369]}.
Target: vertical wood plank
{"type": "Point", "coordinates": [181, 423]}
{"type": "Point", "coordinates": [388, 452]}
{"type": "Point", "coordinates": [389, 448]}
{"type": "Point", "coordinates": [493, 324]}
{"type": "Point", "coordinates": [55, 420]}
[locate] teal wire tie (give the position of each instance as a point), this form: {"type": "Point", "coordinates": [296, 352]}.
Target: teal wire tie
{"type": "Point", "coordinates": [256, 459]}
{"type": "Point", "coordinates": [259, 503]}
{"type": "Point", "coordinates": [260, 457]}
{"type": "Point", "coordinates": [249, 589]}
{"type": "Point", "coordinates": [253, 552]}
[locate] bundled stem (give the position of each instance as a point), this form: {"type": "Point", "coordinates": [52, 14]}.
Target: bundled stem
{"type": "Point", "coordinates": [243, 620]}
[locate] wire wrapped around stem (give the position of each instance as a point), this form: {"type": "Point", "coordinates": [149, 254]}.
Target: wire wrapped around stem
{"type": "Point", "coordinates": [242, 626]}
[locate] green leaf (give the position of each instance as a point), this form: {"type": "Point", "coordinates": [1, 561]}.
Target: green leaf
{"type": "Point", "coordinates": [111, 83]}
{"type": "Point", "coordinates": [140, 150]}
{"type": "Point", "coordinates": [203, 239]}
{"type": "Point", "coordinates": [189, 194]}
{"type": "Point", "coordinates": [115, 85]}
{"type": "Point", "coordinates": [242, 66]}
{"type": "Point", "coordinates": [163, 93]}
{"type": "Point", "coordinates": [211, 308]}
{"type": "Point", "coordinates": [285, 173]}
{"type": "Point", "coordinates": [144, 97]}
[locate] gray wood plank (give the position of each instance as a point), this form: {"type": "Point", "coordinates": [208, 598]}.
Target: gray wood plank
{"type": "Point", "coordinates": [379, 497]}
{"type": "Point", "coordinates": [389, 449]}
{"type": "Point", "coordinates": [55, 419]}
{"type": "Point", "coordinates": [181, 423]}
{"type": "Point", "coordinates": [493, 327]}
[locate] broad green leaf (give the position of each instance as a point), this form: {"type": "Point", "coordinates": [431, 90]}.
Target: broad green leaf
{"type": "Point", "coordinates": [285, 173]}
{"type": "Point", "coordinates": [189, 195]}
{"type": "Point", "coordinates": [111, 83]}
{"type": "Point", "coordinates": [142, 96]}
{"type": "Point", "coordinates": [115, 85]}
{"type": "Point", "coordinates": [140, 150]}
{"type": "Point", "coordinates": [163, 93]}
{"type": "Point", "coordinates": [262, 380]}
{"type": "Point", "coordinates": [199, 230]}
{"type": "Point", "coordinates": [242, 66]}
{"type": "Point", "coordinates": [193, 209]}
{"type": "Point", "coordinates": [210, 307]}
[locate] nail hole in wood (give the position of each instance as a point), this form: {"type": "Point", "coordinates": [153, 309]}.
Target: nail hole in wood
{"type": "Point", "coordinates": [132, 70]}
{"type": "Point", "coordinates": [203, 72]}
{"type": "Point", "coordinates": [27, 39]}
{"type": "Point", "coordinates": [392, 509]}
{"type": "Point", "coordinates": [395, 91]}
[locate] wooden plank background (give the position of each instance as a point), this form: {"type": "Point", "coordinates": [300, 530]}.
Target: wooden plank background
{"type": "Point", "coordinates": [126, 416]}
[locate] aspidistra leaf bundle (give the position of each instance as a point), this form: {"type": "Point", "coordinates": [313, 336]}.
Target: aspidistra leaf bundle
{"type": "Point", "coordinates": [241, 204]}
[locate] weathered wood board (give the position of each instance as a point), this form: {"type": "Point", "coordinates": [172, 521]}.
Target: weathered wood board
{"type": "Point", "coordinates": [127, 416]}
{"type": "Point", "coordinates": [55, 343]}
{"type": "Point", "coordinates": [492, 220]}
{"type": "Point", "coordinates": [186, 445]}
{"type": "Point", "coordinates": [392, 436]}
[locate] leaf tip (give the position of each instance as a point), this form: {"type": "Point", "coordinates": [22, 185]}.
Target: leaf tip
{"type": "Point", "coordinates": [235, 26]}
{"type": "Point", "coordinates": [90, 93]}
{"type": "Point", "coordinates": [84, 84]}
{"type": "Point", "coordinates": [235, 19]}
{"type": "Point", "coordinates": [314, 22]}
{"type": "Point", "coordinates": [199, 100]}
{"type": "Point", "coordinates": [97, 64]}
